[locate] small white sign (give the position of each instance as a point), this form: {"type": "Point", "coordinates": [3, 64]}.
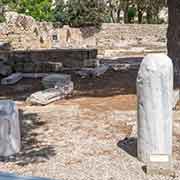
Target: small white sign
{"type": "Point", "coordinates": [159, 158]}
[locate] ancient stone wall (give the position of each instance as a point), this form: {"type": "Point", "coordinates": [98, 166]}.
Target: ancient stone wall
{"type": "Point", "coordinates": [46, 60]}
{"type": "Point", "coordinates": [24, 32]}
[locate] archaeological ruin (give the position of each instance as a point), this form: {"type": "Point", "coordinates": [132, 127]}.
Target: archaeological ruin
{"type": "Point", "coordinates": [89, 103]}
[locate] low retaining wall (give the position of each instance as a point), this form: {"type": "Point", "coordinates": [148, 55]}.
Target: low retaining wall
{"type": "Point", "coordinates": [47, 60]}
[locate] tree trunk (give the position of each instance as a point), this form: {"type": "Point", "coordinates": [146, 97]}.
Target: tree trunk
{"type": "Point", "coordinates": [149, 15]}
{"type": "Point", "coordinates": [174, 36]}
{"type": "Point", "coordinates": [126, 13]}
{"type": "Point", "coordinates": [140, 16]}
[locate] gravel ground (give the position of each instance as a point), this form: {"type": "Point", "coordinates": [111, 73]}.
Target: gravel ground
{"type": "Point", "coordinates": [81, 141]}
{"type": "Point", "coordinates": [83, 138]}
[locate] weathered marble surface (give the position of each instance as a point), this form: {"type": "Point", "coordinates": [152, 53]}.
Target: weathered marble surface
{"type": "Point", "coordinates": [10, 138]}
{"type": "Point", "coordinates": [52, 94]}
{"type": "Point", "coordinates": [155, 97]}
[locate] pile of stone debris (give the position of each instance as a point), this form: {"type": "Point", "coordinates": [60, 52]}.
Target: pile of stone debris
{"type": "Point", "coordinates": [57, 86]}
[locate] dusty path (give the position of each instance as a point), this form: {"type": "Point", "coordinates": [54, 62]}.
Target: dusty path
{"type": "Point", "coordinates": [72, 141]}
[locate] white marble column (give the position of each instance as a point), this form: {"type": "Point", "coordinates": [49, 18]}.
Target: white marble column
{"type": "Point", "coordinates": [155, 97]}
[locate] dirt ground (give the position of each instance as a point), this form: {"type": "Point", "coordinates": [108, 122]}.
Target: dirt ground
{"type": "Point", "coordinates": [91, 136]}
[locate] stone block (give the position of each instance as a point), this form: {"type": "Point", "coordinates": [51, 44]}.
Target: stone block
{"type": "Point", "coordinates": [10, 139]}
{"type": "Point", "coordinates": [12, 79]}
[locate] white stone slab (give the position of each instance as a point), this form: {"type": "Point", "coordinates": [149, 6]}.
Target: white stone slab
{"type": "Point", "coordinates": [50, 95]}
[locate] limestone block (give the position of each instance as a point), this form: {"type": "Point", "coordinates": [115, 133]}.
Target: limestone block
{"type": "Point", "coordinates": [10, 140]}
{"type": "Point", "coordinates": [12, 79]}
{"type": "Point", "coordinates": [155, 97]}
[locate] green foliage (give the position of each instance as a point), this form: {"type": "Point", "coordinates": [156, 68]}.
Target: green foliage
{"type": "Point", "coordinates": [60, 12]}
{"type": "Point", "coordinates": [2, 18]}
{"type": "Point", "coordinates": [131, 14]}
{"type": "Point", "coordinates": [11, 3]}
{"type": "Point", "coordinates": [41, 10]}
{"type": "Point", "coordinates": [85, 13]}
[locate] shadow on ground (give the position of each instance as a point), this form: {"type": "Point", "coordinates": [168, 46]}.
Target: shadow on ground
{"type": "Point", "coordinates": [129, 145]}
{"type": "Point", "coordinates": [33, 150]}
{"type": "Point", "coordinates": [21, 90]}
{"type": "Point", "coordinates": [110, 84]}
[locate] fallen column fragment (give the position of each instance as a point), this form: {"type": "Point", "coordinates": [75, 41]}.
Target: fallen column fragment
{"type": "Point", "coordinates": [10, 139]}
{"type": "Point", "coordinates": [50, 95]}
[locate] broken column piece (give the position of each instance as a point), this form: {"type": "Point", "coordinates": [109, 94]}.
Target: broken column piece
{"type": "Point", "coordinates": [50, 95]}
{"type": "Point", "coordinates": [155, 101]}
{"type": "Point", "coordinates": [10, 139]}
